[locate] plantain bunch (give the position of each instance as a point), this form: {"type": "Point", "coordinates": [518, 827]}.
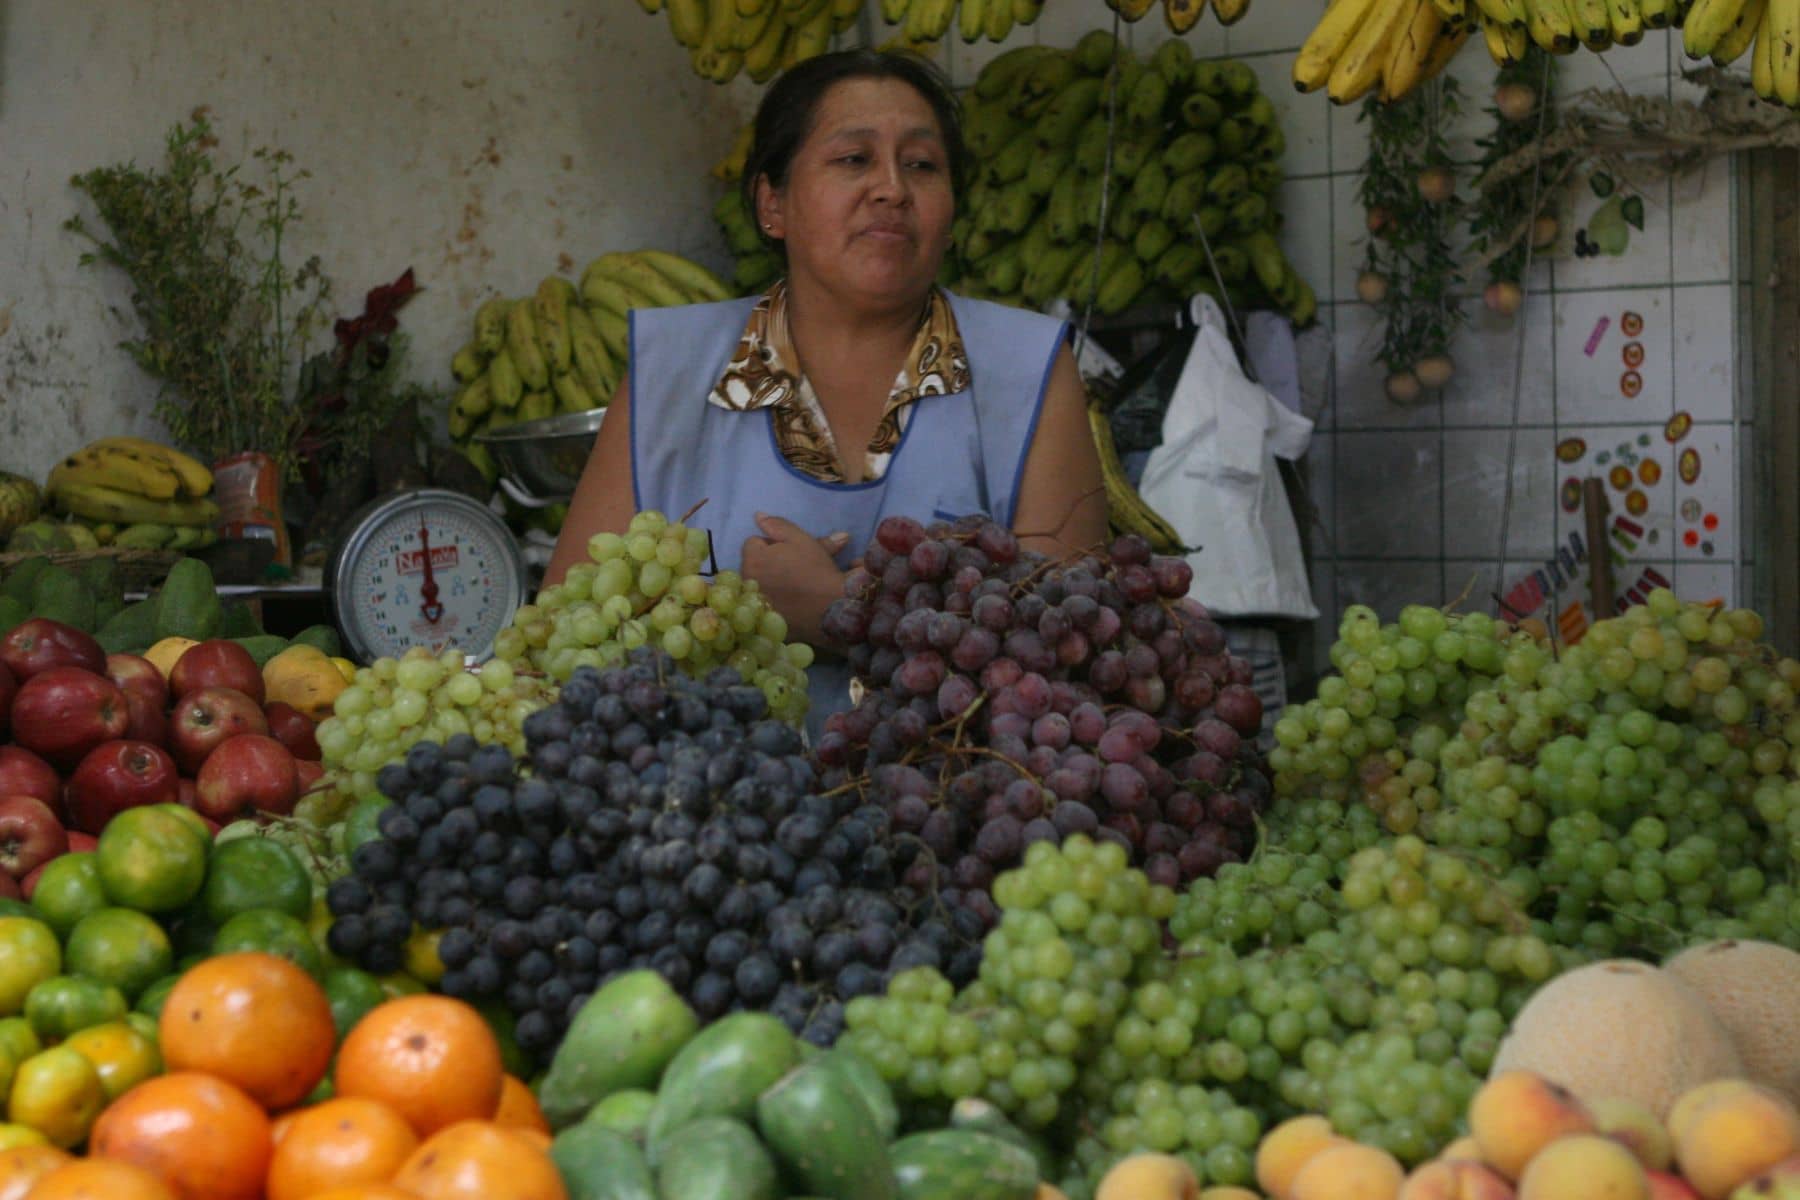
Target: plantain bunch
{"type": "Point", "coordinates": [562, 349]}
{"type": "Point", "coordinates": [1182, 15]}
{"type": "Point", "coordinates": [925, 21]}
{"type": "Point", "coordinates": [758, 37]}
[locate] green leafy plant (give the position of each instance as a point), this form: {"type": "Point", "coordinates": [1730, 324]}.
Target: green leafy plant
{"type": "Point", "coordinates": [1513, 211]}
{"type": "Point", "coordinates": [226, 318]}
{"type": "Point", "coordinates": [1411, 269]}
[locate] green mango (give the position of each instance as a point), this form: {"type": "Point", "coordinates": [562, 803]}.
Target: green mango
{"type": "Point", "coordinates": [188, 604]}
{"type": "Point", "coordinates": [61, 596]}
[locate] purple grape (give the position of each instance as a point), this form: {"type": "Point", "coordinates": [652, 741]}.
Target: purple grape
{"type": "Point", "coordinates": [833, 748]}
{"type": "Point", "coordinates": [1146, 695]}
{"type": "Point", "coordinates": [1081, 610]}
{"type": "Point", "coordinates": [1194, 690]}
{"type": "Point", "coordinates": [1173, 576]}
{"type": "Point", "coordinates": [999, 675]}
{"type": "Point", "coordinates": [1086, 723]}
{"type": "Point", "coordinates": [1123, 828]}
{"type": "Point", "coordinates": [1054, 625]}
{"type": "Point", "coordinates": [909, 727]}
{"type": "Point", "coordinates": [1240, 671]}
{"type": "Point", "coordinates": [1108, 672]}
{"type": "Point", "coordinates": [1073, 650]}
{"type": "Point", "coordinates": [1146, 621]}
{"type": "Point", "coordinates": [909, 813]}
{"type": "Point", "coordinates": [1141, 662]}
{"type": "Point", "coordinates": [1129, 549]}
{"type": "Point", "coordinates": [897, 577]}
{"type": "Point", "coordinates": [1008, 723]}
{"type": "Point", "coordinates": [1031, 696]}
{"type": "Point", "coordinates": [876, 558]}
{"type": "Point", "coordinates": [994, 613]}
{"type": "Point", "coordinates": [1052, 730]}
{"type": "Point", "coordinates": [1118, 746]}
{"type": "Point", "coordinates": [945, 630]}
{"type": "Point", "coordinates": [846, 620]}
{"type": "Point", "coordinates": [1184, 810]}
{"type": "Point", "coordinates": [882, 665]}
{"type": "Point", "coordinates": [1163, 870]}
{"type": "Point", "coordinates": [913, 632]}
{"type": "Point", "coordinates": [1123, 788]}
{"type": "Point", "coordinates": [1024, 799]}
{"type": "Point", "coordinates": [997, 842]}
{"type": "Point", "coordinates": [1067, 784]}
{"type": "Point", "coordinates": [964, 557]}
{"type": "Point", "coordinates": [1106, 627]}
{"type": "Point", "coordinates": [1038, 829]}
{"type": "Point", "coordinates": [971, 874]}
{"type": "Point", "coordinates": [939, 834]}
{"type": "Point", "coordinates": [930, 560]}
{"type": "Point", "coordinates": [924, 595]}
{"type": "Point", "coordinates": [1203, 855]}
{"type": "Point", "coordinates": [1136, 584]}
{"type": "Point", "coordinates": [1072, 817]}
{"type": "Point", "coordinates": [899, 534]}
{"type": "Point", "coordinates": [955, 695]}
{"type": "Point", "coordinates": [1009, 748]}
{"type": "Point", "coordinates": [1215, 736]}
{"type": "Point", "coordinates": [1240, 708]}
{"type": "Point", "coordinates": [922, 673]}
{"type": "Point", "coordinates": [958, 603]}
{"type": "Point", "coordinates": [965, 581]}
{"type": "Point", "coordinates": [1231, 810]}
{"type": "Point", "coordinates": [1203, 636]}
{"type": "Point", "coordinates": [998, 543]}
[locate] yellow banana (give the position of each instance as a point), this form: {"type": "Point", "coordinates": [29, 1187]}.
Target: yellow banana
{"type": "Point", "coordinates": [1506, 44]}
{"type": "Point", "coordinates": [651, 6]}
{"type": "Point", "coordinates": [1449, 41]}
{"type": "Point", "coordinates": [572, 396]}
{"type": "Point", "coordinates": [99, 503]}
{"type": "Point", "coordinates": [1125, 509]}
{"type": "Point", "coordinates": [745, 30]}
{"type": "Point", "coordinates": [637, 275]}
{"type": "Point", "coordinates": [894, 11]}
{"type": "Point", "coordinates": [1131, 10]}
{"type": "Point", "coordinates": [1329, 40]}
{"type": "Point", "coordinates": [467, 364]}
{"type": "Point", "coordinates": [1183, 15]}
{"type": "Point", "coordinates": [844, 13]}
{"type": "Point", "coordinates": [755, 8]}
{"type": "Point", "coordinates": [814, 38]}
{"type": "Point", "coordinates": [971, 19]}
{"type": "Point", "coordinates": [196, 480]}
{"type": "Point", "coordinates": [1784, 53]}
{"type": "Point", "coordinates": [1550, 25]}
{"type": "Point", "coordinates": [1657, 14]}
{"type": "Point", "coordinates": [1762, 62]}
{"type": "Point", "coordinates": [1627, 21]}
{"type": "Point", "coordinates": [522, 344]}
{"type": "Point", "coordinates": [550, 308]}
{"type": "Point", "coordinates": [490, 324]}
{"type": "Point", "coordinates": [504, 384]}
{"type": "Point", "coordinates": [1592, 24]}
{"type": "Point", "coordinates": [615, 332]}
{"type": "Point", "coordinates": [697, 284]}
{"type": "Point", "coordinates": [476, 399]}
{"type": "Point", "coordinates": [1707, 24]}
{"type": "Point", "coordinates": [1503, 12]}
{"type": "Point", "coordinates": [1405, 66]}
{"type": "Point", "coordinates": [122, 470]}
{"type": "Point", "coordinates": [1230, 12]}
{"type": "Point", "coordinates": [1024, 12]}
{"type": "Point", "coordinates": [1453, 10]}
{"type": "Point", "coordinates": [687, 21]}
{"type": "Point", "coordinates": [999, 19]}
{"type": "Point", "coordinates": [760, 62]}
{"type": "Point", "coordinates": [1742, 34]}
{"type": "Point", "coordinates": [1359, 70]}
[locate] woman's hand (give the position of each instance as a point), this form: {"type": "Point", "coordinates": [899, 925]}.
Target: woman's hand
{"type": "Point", "coordinates": [797, 573]}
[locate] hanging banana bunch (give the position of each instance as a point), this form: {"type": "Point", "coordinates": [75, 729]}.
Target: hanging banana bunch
{"type": "Point", "coordinates": [757, 37]}
{"type": "Point", "coordinates": [1385, 47]}
{"type": "Point", "coordinates": [923, 22]}
{"type": "Point", "coordinates": [1182, 15]}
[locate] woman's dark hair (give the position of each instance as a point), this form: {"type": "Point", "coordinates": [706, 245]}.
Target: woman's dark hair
{"type": "Point", "coordinates": [787, 112]}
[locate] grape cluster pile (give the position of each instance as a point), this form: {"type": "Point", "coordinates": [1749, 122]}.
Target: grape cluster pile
{"type": "Point", "coordinates": [649, 587]}
{"type": "Point", "coordinates": [394, 703]}
{"type": "Point", "coordinates": [665, 822]}
{"type": "Point", "coordinates": [1013, 699]}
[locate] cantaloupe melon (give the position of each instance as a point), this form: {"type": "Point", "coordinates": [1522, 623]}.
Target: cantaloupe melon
{"type": "Point", "coordinates": [1619, 1028]}
{"type": "Point", "coordinates": [1753, 990]}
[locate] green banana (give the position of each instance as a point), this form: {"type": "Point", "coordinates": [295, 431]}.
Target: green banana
{"type": "Point", "coordinates": [612, 294]}
{"type": "Point", "coordinates": [1005, 271]}
{"type": "Point", "coordinates": [537, 405]}
{"type": "Point", "coordinates": [1038, 84]}
{"type": "Point", "coordinates": [1233, 263]}
{"type": "Point", "coordinates": [697, 284]}
{"type": "Point", "coordinates": [687, 21]}
{"type": "Point", "coordinates": [144, 535]}
{"type": "Point", "coordinates": [1228, 184]}
{"type": "Point", "coordinates": [971, 22]}
{"type": "Point", "coordinates": [1014, 160]}
{"type": "Point", "coordinates": [1131, 155]}
{"type": "Point", "coordinates": [572, 395]}
{"type": "Point", "coordinates": [490, 325]}
{"type": "Point", "coordinates": [637, 274]}
{"type": "Point", "coordinates": [1212, 219]}
{"type": "Point", "coordinates": [1001, 16]}
{"type": "Point", "coordinates": [1124, 220]}
{"type": "Point", "coordinates": [1250, 213]}
{"type": "Point", "coordinates": [550, 309]}
{"type": "Point", "coordinates": [1046, 275]}
{"type": "Point", "coordinates": [1095, 52]}
{"type": "Point", "coordinates": [615, 332]}
{"type": "Point", "coordinates": [1144, 105]}
{"type": "Point", "coordinates": [522, 344]}
{"type": "Point", "coordinates": [476, 398]}
{"type": "Point", "coordinates": [1149, 190]}
{"type": "Point", "coordinates": [98, 503]}
{"type": "Point", "coordinates": [1188, 153]}
{"type": "Point", "coordinates": [1062, 119]}
{"type": "Point", "coordinates": [1233, 137]}
{"type": "Point", "coordinates": [997, 78]}
{"type": "Point", "coordinates": [1153, 237]}
{"type": "Point", "coordinates": [1201, 111]}
{"type": "Point", "coordinates": [1064, 210]}
{"type": "Point", "coordinates": [1091, 144]}
{"type": "Point", "coordinates": [1015, 208]}
{"type": "Point", "coordinates": [1183, 197]}
{"type": "Point", "coordinates": [504, 384]}
{"type": "Point", "coordinates": [1266, 259]}
{"type": "Point", "coordinates": [1046, 168]}
{"type": "Point", "coordinates": [1120, 287]}
{"type": "Point", "coordinates": [1180, 265]}
{"type": "Point", "coordinates": [989, 126]}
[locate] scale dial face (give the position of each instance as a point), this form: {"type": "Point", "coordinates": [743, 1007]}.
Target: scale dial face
{"type": "Point", "coordinates": [430, 568]}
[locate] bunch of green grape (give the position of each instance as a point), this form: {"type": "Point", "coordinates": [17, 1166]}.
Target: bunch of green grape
{"type": "Point", "coordinates": [420, 696]}
{"type": "Point", "coordinates": [649, 586]}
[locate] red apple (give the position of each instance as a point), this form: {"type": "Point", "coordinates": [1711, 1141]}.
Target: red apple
{"type": "Point", "coordinates": [23, 773]}
{"type": "Point", "coordinates": [40, 644]}
{"type": "Point", "coordinates": [30, 834]}
{"type": "Point", "coordinates": [80, 840]}
{"type": "Point", "coordinates": [9, 687]}
{"type": "Point", "coordinates": [9, 888]}
{"type": "Point", "coordinates": [216, 663]}
{"type": "Point", "coordinates": [293, 729]}
{"type": "Point", "coordinates": [310, 773]}
{"type": "Point", "coordinates": [117, 776]}
{"type": "Point", "coordinates": [28, 885]}
{"type": "Point", "coordinates": [186, 795]}
{"type": "Point", "coordinates": [64, 712]}
{"type": "Point", "coordinates": [202, 720]}
{"type": "Point", "coordinates": [148, 723]}
{"type": "Point", "coordinates": [249, 771]}
{"type": "Point", "coordinates": [137, 675]}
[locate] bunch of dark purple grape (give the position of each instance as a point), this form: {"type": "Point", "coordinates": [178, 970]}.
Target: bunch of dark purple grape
{"type": "Point", "coordinates": [665, 822]}
{"type": "Point", "coordinates": [1011, 698]}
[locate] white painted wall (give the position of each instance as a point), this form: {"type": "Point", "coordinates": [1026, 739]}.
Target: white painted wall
{"type": "Point", "coordinates": [485, 143]}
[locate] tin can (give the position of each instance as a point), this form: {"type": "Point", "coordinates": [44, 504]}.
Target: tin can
{"type": "Point", "coordinates": [247, 487]}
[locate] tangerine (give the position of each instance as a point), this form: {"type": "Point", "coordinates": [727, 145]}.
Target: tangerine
{"type": "Point", "coordinates": [102, 1179]}
{"type": "Point", "coordinates": [253, 1019]}
{"type": "Point", "coordinates": [203, 1135]}
{"type": "Point", "coordinates": [22, 1166]}
{"type": "Point", "coordinates": [430, 1058]}
{"type": "Point", "coordinates": [519, 1109]}
{"type": "Point", "coordinates": [364, 1191]}
{"type": "Point", "coordinates": [340, 1142]}
{"type": "Point", "coordinates": [479, 1160]}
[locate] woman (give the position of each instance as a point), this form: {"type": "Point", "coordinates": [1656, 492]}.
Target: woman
{"type": "Point", "coordinates": [854, 389]}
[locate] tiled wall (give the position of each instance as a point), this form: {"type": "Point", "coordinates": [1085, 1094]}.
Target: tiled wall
{"type": "Point", "coordinates": [1410, 498]}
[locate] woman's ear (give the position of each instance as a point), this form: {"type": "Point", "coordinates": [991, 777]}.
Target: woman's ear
{"type": "Point", "coordinates": [768, 209]}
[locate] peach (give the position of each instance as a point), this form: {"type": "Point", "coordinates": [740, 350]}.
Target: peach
{"type": "Point", "coordinates": [1348, 1171]}
{"type": "Point", "coordinates": [1698, 1097]}
{"type": "Point", "coordinates": [1636, 1128]}
{"type": "Point", "coordinates": [1779, 1182]}
{"type": "Point", "coordinates": [1456, 1179]}
{"type": "Point", "coordinates": [1285, 1149]}
{"type": "Point", "coordinates": [1664, 1186]}
{"type": "Point", "coordinates": [1725, 1141]}
{"type": "Point", "coordinates": [1226, 1191]}
{"type": "Point", "coordinates": [1518, 1113]}
{"type": "Point", "coordinates": [1161, 1176]}
{"type": "Point", "coordinates": [1463, 1149]}
{"type": "Point", "coordinates": [1587, 1166]}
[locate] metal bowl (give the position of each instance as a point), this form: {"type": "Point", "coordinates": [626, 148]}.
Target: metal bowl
{"type": "Point", "coordinates": [544, 458]}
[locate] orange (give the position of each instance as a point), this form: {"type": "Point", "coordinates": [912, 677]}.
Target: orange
{"type": "Point", "coordinates": [102, 1179]}
{"type": "Point", "coordinates": [205, 1137]}
{"type": "Point", "coordinates": [280, 1123]}
{"type": "Point", "coordinates": [340, 1142]}
{"type": "Point", "coordinates": [364, 1191]}
{"type": "Point", "coordinates": [478, 1160]}
{"type": "Point", "coordinates": [253, 1019]}
{"type": "Point", "coordinates": [519, 1108]}
{"type": "Point", "coordinates": [22, 1166]}
{"type": "Point", "coordinates": [431, 1059]}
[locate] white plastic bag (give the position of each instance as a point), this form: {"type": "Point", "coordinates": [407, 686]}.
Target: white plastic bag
{"type": "Point", "coordinates": [1215, 479]}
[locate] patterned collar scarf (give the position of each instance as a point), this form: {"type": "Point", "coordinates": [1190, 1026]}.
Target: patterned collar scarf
{"type": "Point", "coordinates": [765, 372]}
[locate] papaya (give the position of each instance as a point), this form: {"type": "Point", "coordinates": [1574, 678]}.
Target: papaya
{"type": "Point", "coordinates": [12, 613]}
{"type": "Point", "coordinates": [720, 1073]}
{"type": "Point", "coordinates": [826, 1135]}
{"type": "Point", "coordinates": [599, 1164]}
{"type": "Point", "coordinates": [61, 596]}
{"type": "Point", "coordinates": [717, 1158]}
{"type": "Point", "coordinates": [20, 580]}
{"type": "Point", "coordinates": [101, 577]}
{"type": "Point", "coordinates": [980, 1116]}
{"type": "Point", "coordinates": [239, 621]}
{"type": "Point", "coordinates": [869, 1084]}
{"type": "Point", "coordinates": [961, 1164]}
{"type": "Point", "coordinates": [187, 605]}
{"type": "Point", "coordinates": [622, 1037]}
{"type": "Point", "coordinates": [130, 630]}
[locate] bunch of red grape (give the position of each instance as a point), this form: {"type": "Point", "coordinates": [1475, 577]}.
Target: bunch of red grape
{"type": "Point", "coordinates": [1010, 698]}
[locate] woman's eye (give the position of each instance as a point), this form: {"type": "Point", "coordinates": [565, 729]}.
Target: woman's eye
{"type": "Point", "coordinates": [854, 159]}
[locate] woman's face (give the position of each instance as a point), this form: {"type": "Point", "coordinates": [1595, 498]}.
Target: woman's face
{"type": "Point", "coordinates": [867, 206]}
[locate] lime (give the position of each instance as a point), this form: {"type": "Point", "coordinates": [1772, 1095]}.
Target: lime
{"type": "Point", "coordinates": [359, 826]}
{"type": "Point", "coordinates": [271, 932]}
{"type": "Point", "coordinates": [8, 1064]}
{"type": "Point", "coordinates": [120, 946]}
{"type": "Point", "coordinates": [150, 1001]}
{"type": "Point", "coordinates": [255, 873]}
{"type": "Point", "coordinates": [123, 1057]}
{"type": "Point", "coordinates": [17, 1038]}
{"type": "Point", "coordinates": [146, 1025]}
{"type": "Point", "coordinates": [192, 932]}
{"type": "Point", "coordinates": [399, 983]}
{"type": "Point", "coordinates": [352, 992]}
{"type": "Point", "coordinates": [67, 1004]}
{"type": "Point", "coordinates": [29, 955]}
{"type": "Point", "coordinates": [57, 1093]}
{"type": "Point", "coordinates": [422, 961]}
{"type": "Point", "coordinates": [15, 908]}
{"type": "Point", "coordinates": [188, 817]}
{"type": "Point", "coordinates": [68, 890]}
{"type": "Point", "coordinates": [150, 860]}
{"type": "Point", "coordinates": [318, 923]}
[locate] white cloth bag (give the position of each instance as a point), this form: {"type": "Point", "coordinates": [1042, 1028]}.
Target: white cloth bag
{"type": "Point", "coordinates": [1215, 479]}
